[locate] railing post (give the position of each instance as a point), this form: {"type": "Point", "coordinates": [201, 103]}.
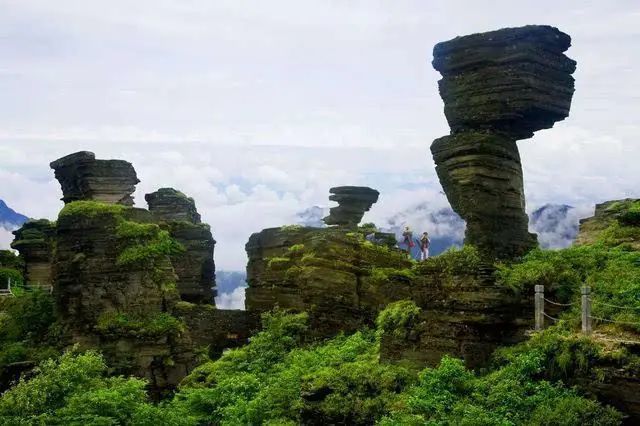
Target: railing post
{"type": "Point", "coordinates": [586, 310]}
{"type": "Point", "coordinates": [539, 304]}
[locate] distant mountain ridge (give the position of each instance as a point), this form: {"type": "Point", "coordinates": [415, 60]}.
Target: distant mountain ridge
{"type": "Point", "coordinates": [555, 224]}
{"type": "Point", "coordinates": [9, 218]}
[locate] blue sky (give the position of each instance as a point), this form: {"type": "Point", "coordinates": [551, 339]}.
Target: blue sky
{"type": "Point", "coordinates": [256, 108]}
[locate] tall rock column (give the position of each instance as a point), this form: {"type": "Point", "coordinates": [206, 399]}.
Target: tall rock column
{"type": "Point", "coordinates": [497, 87]}
{"type": "Point", "coordinates": [194, 266]}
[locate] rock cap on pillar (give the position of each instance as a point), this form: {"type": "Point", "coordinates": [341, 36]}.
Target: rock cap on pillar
{"type": "Point", "coordinates": [169, 204]}
{"type": "Point", "coordinates": [82, 177]}
{"type": "Point", "coordinates": [353, 202]}
{"type": "Point", "coordinates": [514, 80]}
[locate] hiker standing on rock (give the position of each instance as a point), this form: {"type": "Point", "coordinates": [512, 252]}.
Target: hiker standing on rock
{"type": "Point", "coordinates": [425, 242]}
{"type": "Point", "coordinates": [408, 239]}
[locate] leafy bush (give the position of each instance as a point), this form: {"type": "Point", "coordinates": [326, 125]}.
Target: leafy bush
{"type": "Point", "coordinates": [273, 380]}
{"type": "Point", "coordinates": [450, 394]}
{"type": "Point", "coordinates": [90, 209]}
{"type": "Point", "coordinates": [120, 324]}
{"type": "Point", "coordinates": [26, 323]}
{"type": "Point", "coordinates": [612, 273]}
{"type": "Point", "coordinates": [397, 318]}
{"type": "Point", "coordinates": [144, 243]}
{"type": "Point", "coordinates": [456, 261]}
{"type": "Point", "coordinates": [73, 390]}
{"type": "Point", "coordinates": [291, 228]}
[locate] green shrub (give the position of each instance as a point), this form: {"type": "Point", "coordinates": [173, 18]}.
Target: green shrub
{"type": "Point", "coordinates": [14, 275]}
{"type": "Point", "coordinates": [456, 261]}
{"type": "Point", "coordinates": [397, 318]}
{"type": "Point", "coordinates": [90, 209]}
{"type": "Point", "coordinates": [73, 390]}
{"type": "Point", "coordinates": [291, 228]}
{"type": "Point", "coordinates": [450, 394]}
{"type": "Point", "coordinates": [612, 273]}
{"type": "Point", "coordinates": [275, 380]}
{"type": "Point", "coordinates": [144, 243]}
{"type": "Point", "coordinates": [150, 327]}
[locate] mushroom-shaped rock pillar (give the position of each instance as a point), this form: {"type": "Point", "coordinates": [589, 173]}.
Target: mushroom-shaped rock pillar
{"type": "Point", "coordinates": [82, 177]}
{"type": "Point", "coordinates": [497, 87]}
{"type": "Point", "coordinates": [353, 202]}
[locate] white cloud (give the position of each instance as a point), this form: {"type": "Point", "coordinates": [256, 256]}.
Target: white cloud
{"type": "Point", "coordinates": [233, 300]}
{"type": "Point", "coordinates": [256, 111]}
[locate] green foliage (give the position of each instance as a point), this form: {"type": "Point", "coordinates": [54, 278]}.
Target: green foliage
{"type": "Point", "coordinates": [90, 209]}
{"type": "Point", "coordinates": [8, 259]}
{"type": "Point", "coordinates": [12, 274]}
{"type": "Point", "coordinates": [26, 322]}
{"type": "Point", "coordinates": [612, 273]}
{"type": "Point", "coordinates": [291, 228]}
{"type": "Point", "coordinates": [295, 249]}
{"type": "Point", "coordinates": [368, 228]}
{"type": "Point", "coordinates": [511, 395]}
{"type": "Point", "coordinates": [144, 243]}
{"type": "Point", "coordinates": [273, 380]}
{"type": "Point", "coordinates": [151, 327]}
{"type": "Point", "coordinates": [563, 353]}
{"type": "Point", "coordinates": [279, 263]}
{"type": "Point", "coordinates": [381, 275]}
{"type": "Point", "coordinates": [456, 261]}
{"type": "Point", "coordinates": [397, 318]}
{"type": "Point", "coordinates": [73, 390]}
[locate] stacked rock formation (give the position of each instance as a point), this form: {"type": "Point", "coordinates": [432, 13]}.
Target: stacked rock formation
{"type": "Point", "coordinates": [194, 266]}
{"type": "Point", "coordinates": [498, 87]}
{"type": "Point", "coordinates": [82, 177]}
{"type": "Point", "coordinates": [353, 202]}
{"type": "Point", "coordinates": [170, 205]}
{"type": "Point", "coordinates": [34, 241]}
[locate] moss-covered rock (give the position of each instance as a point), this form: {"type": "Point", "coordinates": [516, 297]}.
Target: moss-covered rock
{"type": "Point", "coordinates": [35, 241]}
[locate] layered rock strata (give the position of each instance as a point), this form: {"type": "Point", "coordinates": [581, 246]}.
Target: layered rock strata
{"type": "Point", "coordinates": [170, 205]}
{"type": "Point", "coordinates": [353, 202]}
{"type": "Point", "coordinates": [82, 177]}
{"type": "Point", "coordinates": [115, 292]}
{"type": "Point", "coordinates": [35, 241]}
{"type": "Point", "coordinates": [344, 281]}
{"type": "Point", "coordinates": [498, 87]}
{"type": "Point", "coordinates": [194, 266]}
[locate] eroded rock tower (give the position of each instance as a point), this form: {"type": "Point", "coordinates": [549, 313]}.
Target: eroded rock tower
{"type": "Point", "coordinates": [497, 87]}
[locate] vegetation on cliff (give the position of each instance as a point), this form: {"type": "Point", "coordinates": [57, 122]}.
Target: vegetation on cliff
{"type": "Point", "coordinates": [278, 378]}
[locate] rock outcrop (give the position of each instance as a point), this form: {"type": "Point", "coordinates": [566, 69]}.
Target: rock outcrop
{"type": "Point", "coordinates": [343, 281]}
{"type": "Point", "coordinates": [115, 290]}
{"type": "Point", "coordinates": [82, 177]}
{"type": "Point", "coordinates": [498, 87]}
{"type": "Point", "coordinates": [624, 212]}
{"type": "Point", "coordinates": [194, 266]}
{"type": "Point", "coordinates": [170, 205]}
{"type": "Point", "coordinates": [35, 241]}
{"type": "Point", "coordinates": [353, 202]}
